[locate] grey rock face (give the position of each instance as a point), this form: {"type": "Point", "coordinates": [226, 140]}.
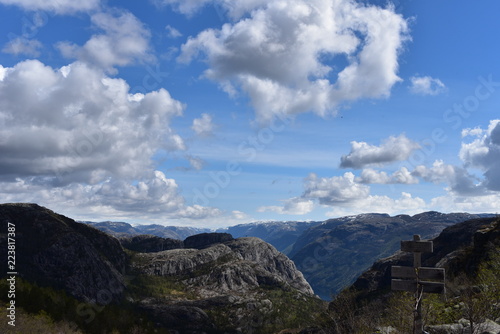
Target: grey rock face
{"type": "Point", "coordinates": [238, 266]}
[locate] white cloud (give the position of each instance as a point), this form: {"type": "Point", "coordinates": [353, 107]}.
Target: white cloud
{"type": "Point", "coordinates": [484, 153]}
{"type": "Point", "coordinates": [381, 204]}
{"type": "Point", "coordinates": [124, 41]}
{"type": "Point", "coordinates": [276, 51]}
{"type": "Point", "coordinates": [391, 150]}
{"type": "Point", "coordinates": [23, 46]}
{"type": "Point", "coordinates": [76, 124]}
{"type": "Point", "coordinates": [155, 196]}
{"type": "Point", "coordinates": [172, 32]}
{"type": "Point", "coordinates": [76, 139]}
{"type": "Point", "coordinates": [57, 6]}
{"type": "Point", "coordinates": [472, 204]}
{"type": "Point", "coordinates": [426, 86]}
{"type": "Point", "coordinates": [292, 206]}
{"type": "Point", "coordinates": [187, 7]}
{"type": "Point", "coordinates": [401, 176]}
{"type": "Point", "coordinates": [334, 190]}
{"type": "Point", "coordinates": [203, 126]}
{"type": "Point", "coordinates": [196, 162]}
{"type": "Point", "coordinates": [458, 179]}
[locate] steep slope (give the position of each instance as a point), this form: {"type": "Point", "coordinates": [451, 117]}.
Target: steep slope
{"type": "Point", "coordinates": [56, 251]}
{"type": "Point", "coordinates": [333, 254]}
{"type": "Point", "coordinates": [459, 248]}
{"type": "Point", "coordinates": [237, 266]}
{"type": "Point", "coordinates": [470, 254]}
{"type": "Point", "coordinates": [243, 283]}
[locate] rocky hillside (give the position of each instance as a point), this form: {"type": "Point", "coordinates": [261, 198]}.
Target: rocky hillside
{"type": "Point", "coordinates": [207, 283]}
{"type": "Point", "coordinates": [333, 254]}
{"type": "Point", "coordinates": [460, 248]}
{"type": "Point", "coordinates": [470, 254]}
{"type": "Point", "coordinates": [53, 250]}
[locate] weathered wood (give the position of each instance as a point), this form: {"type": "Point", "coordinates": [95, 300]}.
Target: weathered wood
{"type": "Point", "coordinates": [424, 273]}
{"type": "Point", "coordinates": [417, 246]}
{"type": "Point", "coordinates": [411, 286]}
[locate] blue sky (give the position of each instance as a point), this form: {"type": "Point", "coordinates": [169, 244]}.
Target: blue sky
{"type": "Point", "coordinates": [214, 112]}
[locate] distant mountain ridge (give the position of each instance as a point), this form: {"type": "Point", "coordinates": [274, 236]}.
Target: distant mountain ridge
{"type": "Point", "coordinates": [332, 253]}
{"type": "Point", "coordinates": [122, 229]}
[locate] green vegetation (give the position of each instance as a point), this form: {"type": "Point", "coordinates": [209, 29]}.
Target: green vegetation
{"type": "Point", "coordinates": [46, 310]}
{"type": "Point", "coordinates": [474, 296]}
{"type": "Point", "coordinates": [275, 310]}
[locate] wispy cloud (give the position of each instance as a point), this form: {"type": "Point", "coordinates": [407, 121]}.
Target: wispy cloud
{"type": "Point", "coordinates": [57, 6]}
{"type": "Point", "coordinates": [23, 46]}
{"type": "Point", "coordinates": [426, 86]}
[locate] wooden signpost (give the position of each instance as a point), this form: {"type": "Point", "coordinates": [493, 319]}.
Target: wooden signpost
{"type": "Point", "coordinates": [417, 279]}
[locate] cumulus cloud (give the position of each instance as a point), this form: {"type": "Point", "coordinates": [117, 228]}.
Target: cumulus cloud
{"type": "Point", "coordinates": [426, 86]}
{"type": "Point", "coordinates": [458, 179]}
{"type": "Point", "coordinates": [401, 176]}
{"type": "Point", "coordinates": [334, 190]}
{"type": "Point", "coordinates": [484, 153]}
{"type": "Point", "coordinates": [75, 124]}
{"type": "Point", "coordinates": [391, 150]}
{"type": "Point", "coordinates": [57, 6]}
{"type": "Point", "coordinates": [278, 53]}
{"type": "Point", "coordinates": [76, 138]}
{"type": "Point", "coordinates": [124, 41]}
{"type": "Point", "coordinates": [23, 46]}
{"type": "Point", "coordinates": [154, 196]}
{"type": "Point", "coordinates": [203, 126]}
{"type": "Point", "coordinates": [292, 206]}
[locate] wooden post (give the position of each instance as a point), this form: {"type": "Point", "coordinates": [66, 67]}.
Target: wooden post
{"type": "Point", "coordinates": [411, 278]}
{"type": "Point", "coordinates": [418, 326]}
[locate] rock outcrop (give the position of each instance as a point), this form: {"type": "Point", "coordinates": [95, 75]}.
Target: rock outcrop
{"type": "Point", "coordinates": [239, 266]}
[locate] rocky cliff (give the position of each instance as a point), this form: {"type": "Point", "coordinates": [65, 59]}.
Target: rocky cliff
{"type": "Point", "coordinates": [237, 266]}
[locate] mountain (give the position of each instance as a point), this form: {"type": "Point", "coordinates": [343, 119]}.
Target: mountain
{"type": "Point", "coordinates": [281, 235]}
{"type": "Point", "coordinates": [121, 229]}
{"type": "Point", "coordinates": [470, 254]}
{"type": "Point", "coordinates": [56, 251]}
{"type": "Point", "coordinates": [209, 283]}
{"type": "Point", "coordinates": [334, 253]}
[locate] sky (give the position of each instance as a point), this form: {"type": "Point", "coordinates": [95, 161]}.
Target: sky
{"type": "Point", "coordinates": [212, 113]}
